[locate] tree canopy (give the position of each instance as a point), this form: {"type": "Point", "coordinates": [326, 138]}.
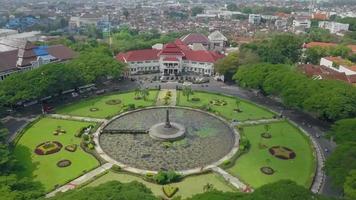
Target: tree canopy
{"type": "Point", "coordinates": [54, 78]}
{"type": "Point", "coordinates": [340, 163]}
{"type": "Point", "coordinates": [343, 131]}
{"type": "Point", "coordinates": [11, 186]}
{"type": "Point", "coordinates": [281, 48]}
{"type": "Point", "coordinates": [326, 99]}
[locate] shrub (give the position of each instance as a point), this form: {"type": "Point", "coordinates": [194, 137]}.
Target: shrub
{"type": "Point", "coordinates": [169, 190]}
{"type": "Point", "coordinates": [131, 106]}
{"type": "Point", "coordinates": [71, 148]}
{"type": "Point", "coordinates": [195, 99]}
{"type": "Point", "coordinates": [116, 168]}
{"type": "Point", "coordinates": [226, 162]}
{"type": "Point", "coordinates": [165, 177]}
{"type": "Point", "coordinates": [80, 132]}
{"type": "Point", "coordinates": [244, 143]}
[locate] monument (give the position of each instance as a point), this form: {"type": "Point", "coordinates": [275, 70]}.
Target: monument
{"type": "Point", "coordinates": [167, 131]}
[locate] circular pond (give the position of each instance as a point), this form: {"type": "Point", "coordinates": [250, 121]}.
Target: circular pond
{"type": "Point", "coordinates": [207, 139]}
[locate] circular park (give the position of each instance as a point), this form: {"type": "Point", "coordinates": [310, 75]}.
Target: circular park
{"type": "Point", "coordinates": [206, 138]}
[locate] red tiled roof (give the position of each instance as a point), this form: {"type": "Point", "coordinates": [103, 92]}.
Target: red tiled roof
{"type": "Point", "coordinates": [319, 44]}
{"type": "Point", "coordinates": [327, 44]}
{"type": "Point", "coordinates": [172, 49]}
{"type": "Point", "coordinates": [352, 78]}
{"type": "Point", "coordinates": [281, 14]}
{"type": "Point", "coordinates": [327, 73]}
{"type": "Point", "coordinates": [138, 55]}
{"type": "Point", "coordinates": [352, 47]}
{"type": "Point", "coordinates": [195, 38]}
{"type": "Point", "coordinates": [320, 16]}
{"type": "Point", "coordinates": [174, 59]}
{"type": "Point", "coordinates": [178, 48]}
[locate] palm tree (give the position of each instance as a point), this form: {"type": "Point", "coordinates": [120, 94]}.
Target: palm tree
{"type": "Point", "coordinates": [137, 92]}
{"type": "Point", "coordinates": [237, 102]}
{"type": "Point", "coordinates": [144, 93]}
{"type": "Point", "coordinates": [187, 91]}
{"type": "Point", "coordinates": [267, 127]}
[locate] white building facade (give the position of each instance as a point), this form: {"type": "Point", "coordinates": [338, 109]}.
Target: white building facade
{"type": "Point", "coordinates": [174, 59]}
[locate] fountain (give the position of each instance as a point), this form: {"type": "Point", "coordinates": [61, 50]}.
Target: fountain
{"type": "Point", "coordinates": [167, 131]}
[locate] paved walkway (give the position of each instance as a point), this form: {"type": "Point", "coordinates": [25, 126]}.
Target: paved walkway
{"type": "Point", "coordinates": [80, 180]}
{"type": "Point", "coordinates": [76, 118]}
{"type": "Point", "coordinates": [162, 93]}
{"type": "Point", "coordinates": [232, 179]}
{"type": "Point", "coordinates": [260, 121]}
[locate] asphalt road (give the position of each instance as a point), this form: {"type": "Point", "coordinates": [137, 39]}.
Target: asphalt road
{"type": "Point", "coordinates": [15, 121]}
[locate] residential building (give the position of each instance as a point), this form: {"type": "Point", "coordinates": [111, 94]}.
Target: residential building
{"type": "Point", "coordinates": [175, 58]}
{"type": "Point", "coordinates": [196, 38]}
{"type": "Point", "coordinates": [217, 41]}
{"type": "Point", "coordinates": [85, 19]}
{"type": "Point", "coordinates": [22, 55]}
{"type": "Point", "coordinates": [334, 27]}
{"type": "Point", "coordinates": [254, 19]}
{"type": "Point", "coordinates": [339, 64]}
{"type": "Point", "coordinates": [281, 24]}
{"type": "Point", "coordinates": [301, 24]}
{"type": "Point", "coordinates": [318, 72]}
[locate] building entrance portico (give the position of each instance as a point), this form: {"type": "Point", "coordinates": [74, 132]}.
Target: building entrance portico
{"type": "Point", "coordinates": [171, 68]}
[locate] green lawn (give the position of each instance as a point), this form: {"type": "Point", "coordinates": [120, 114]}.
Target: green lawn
{"type": "Point", "coordinates": [188, 187]}
{"type": "Point", "coordinates": [83, 107]}
{"type": "Point", "coordinates": [300, 169]}
{"type": "Point", "coordinates": [43, 168]}
{"type": "Point", "coordinates": [249, 110]}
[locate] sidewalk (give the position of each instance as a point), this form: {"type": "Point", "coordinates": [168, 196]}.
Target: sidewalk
{"type": "Point", "coordinates": [76, 118]}
{"type": "Point", "coordinates": [162, 93]}
{"type": "Point", "coordinates": [80, 180]}
{"type": "Point", "coordinates": [231, 179]}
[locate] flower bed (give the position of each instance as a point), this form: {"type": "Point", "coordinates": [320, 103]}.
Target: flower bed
{"type": "Point", "coordinates": [49, 147]}
{"type": "Point", "coordinates": [281, 152]}
{"type": "Point", "coordinates": [113, 102]}
{"type": "Point", "coordinates": [71, 147]}
{"type": "Point", "coordinates": [59, 131]}
{"type": "Point", "coordinates": [267, 170]}
{"type": "Point", "coordinates": [218, 102]}
{"type": "Point", "coordinates": [64, 163]}
{"type": "Point", "coordinates": [94, 109]}
{"type": "Point", "coordinates": [266, 135]}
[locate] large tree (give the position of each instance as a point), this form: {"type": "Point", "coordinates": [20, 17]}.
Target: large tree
{"type": "Point", "coordinates": [350, 185]}
{"type": "Point", "coordinates": [343, 131]}
{"type": "Point", "coordinates": [333, 100]}
{"type": "Point", "coordinates": [341, 162]}
{"type": "Point", "coordinates": [280, 48]}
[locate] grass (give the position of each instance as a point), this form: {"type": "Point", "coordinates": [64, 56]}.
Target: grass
{"type": "Point", "coordinates": [83, 107]}
{"type": "Point", "coordinates": [187, 187]}
{"type": "Point", "coordinates": [300, 169]}
{"type": "Point", "coordinates": [249, 110]}
{"type": "Point", "coordinates": [43, 168]}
